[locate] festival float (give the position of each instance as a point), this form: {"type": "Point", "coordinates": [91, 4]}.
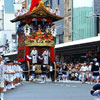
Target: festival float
{"type": "Point", "coordinates": [32, 32]}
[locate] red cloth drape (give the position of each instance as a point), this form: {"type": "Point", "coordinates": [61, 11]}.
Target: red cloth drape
{"type": "Point", "coordinates": [34, 3]}
{"type": "Point", "coordinates": [52, 55]}
{"type": "Point", "coordinates": [22, 56]}
{"type": "Point", "coordinates": [27, 52]}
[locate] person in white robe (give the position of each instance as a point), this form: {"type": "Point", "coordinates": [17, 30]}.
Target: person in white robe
{"type": "Point", "coordinates": [53, 31]}
{"type": "Point", "coordinates": [46, 55]}
{"type": "Point", "coordinates": [34, 54]}
{"type": "Point", "coordinates": [57, 12]}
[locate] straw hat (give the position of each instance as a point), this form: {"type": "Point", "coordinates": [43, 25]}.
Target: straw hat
{"type": "Point", "coordinates": [56, 8]}
{"type": "Point", "coordinates": [48, 5]}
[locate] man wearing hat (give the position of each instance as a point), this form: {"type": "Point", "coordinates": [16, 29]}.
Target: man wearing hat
{"type": "Point", "coordinates": [49, 9]}
{"type": "Point", "coordinates": [1, 78]}
{"type": "Point", "coordinates": [57, 12]}
{"type": "Point", "coordinates": [46, 55]}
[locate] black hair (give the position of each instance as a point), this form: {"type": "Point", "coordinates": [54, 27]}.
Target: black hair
{"type": "Point", "coordinates": [91, 92]}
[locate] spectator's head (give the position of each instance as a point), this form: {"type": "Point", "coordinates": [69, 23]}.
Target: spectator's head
{"type": "Point", "coordinates": [84, 64]}
{"type": "Point", "coordinates": [91, 63]}
{"type": "Point", "coordinates": [95, 59]}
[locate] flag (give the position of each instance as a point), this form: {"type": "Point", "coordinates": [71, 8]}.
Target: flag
{"type": "Point", "coordinates": [34, 3]}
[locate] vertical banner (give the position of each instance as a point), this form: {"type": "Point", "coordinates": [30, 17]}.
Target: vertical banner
{"type": "Point", "coordinates": [22, 53]}
{"type": "Point", "coordinates": [52, 55]}
{"type": "Point", "coordinates": [27, 52]}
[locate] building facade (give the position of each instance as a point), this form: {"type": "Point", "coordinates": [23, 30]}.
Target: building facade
{"type": "Point", "coordinates": [81, 32]}
{"type": "Point", "coordinates": [67, 20]}
{"type": "Point", "coordinates": [7, 29]}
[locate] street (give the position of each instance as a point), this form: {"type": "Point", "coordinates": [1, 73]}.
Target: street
{"type": "Point", "coordinates": [50, 91]}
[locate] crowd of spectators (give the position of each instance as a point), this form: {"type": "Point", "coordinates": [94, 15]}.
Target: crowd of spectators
{"type": "Point", "coordinates": [84, 72]}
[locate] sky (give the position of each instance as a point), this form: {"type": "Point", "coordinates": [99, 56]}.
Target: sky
{"type": "Point", "coordinates": [82, 3]}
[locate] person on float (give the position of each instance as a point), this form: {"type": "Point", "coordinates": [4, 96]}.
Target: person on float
{"type": "Point", "coordinates": [34, 55]}
{"type": "Point", "coordinates": [46, 56]}
{"type": "Point", "coordinates": [46, 27]}
{"type": "Point", "coordinates": [95, 69]}
{"type": "Point", "coordinates": [39, 28]}
{"type": "Point", "coordinates": [57, 12]}
{"type": "Point", "coordinates": [27, 30]}
{"type": "Point", "coordinates": [49, 9]}
{"type": "Point", "coordinates": [1, 78]}
{"type": "Point", "coordinates": [53, 31]}
{"type": "Point", "coordinates": [23, 10]}
{"type": "Point", "coordinates": [34, 29]}
{"type": "Point", "coordinates": [18, 13]}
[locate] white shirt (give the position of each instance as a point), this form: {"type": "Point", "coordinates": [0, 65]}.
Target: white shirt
{"type": "Point", "coordinates": [84, 68]}
{"type": "Point", "coordinates": [34, 54]}
{"type": "Point", "coordinates": [57, 12]}
{"type": "Point", "coordinates": [89, 68]}
{"type": "Point", "coordinates": [46, 55]}
{"type": "Point", "coordinates": [27, 30]}
{"type": "Point", "coordinates": [53, 32]}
